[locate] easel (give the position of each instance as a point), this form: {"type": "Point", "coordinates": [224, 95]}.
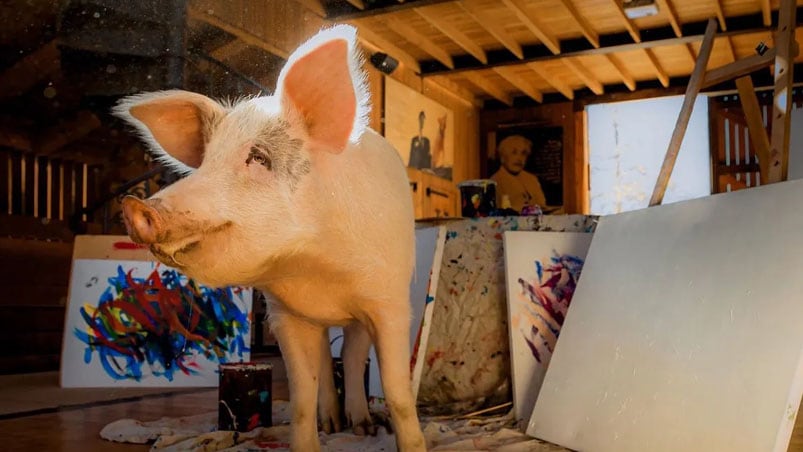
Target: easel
{"type": "Point", "coordinates": [773, 154]}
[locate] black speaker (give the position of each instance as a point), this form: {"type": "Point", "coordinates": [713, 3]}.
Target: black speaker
{"type": "Point", "coordinates": [384, 62]}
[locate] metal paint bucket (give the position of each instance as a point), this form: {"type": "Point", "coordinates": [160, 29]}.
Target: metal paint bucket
{"type": "Point", "coordinates": [244, 396]}
{"type": "Point", "coordinates": [477, 197]}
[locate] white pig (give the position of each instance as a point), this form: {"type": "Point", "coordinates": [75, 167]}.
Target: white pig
{"type": "Point", "coordinates": [294, 194]}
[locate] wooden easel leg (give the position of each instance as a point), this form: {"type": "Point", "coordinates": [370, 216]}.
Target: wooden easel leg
{"type": "Point", "coordinates": [695, 84]}
{"type": "Point", "coordinates": [782, 99]}
{"type": "Point", "coordinates": [755, 124]}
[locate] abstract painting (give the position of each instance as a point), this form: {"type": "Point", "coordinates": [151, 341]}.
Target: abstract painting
{"type": "Point", "coordinates": [684, 333]}
{"type": "Point", "coordinates": [421, 129]}
{"type": "Point", "coordinates": [543, 269]}
{"type": "Point", "coordinates": [139, 323]}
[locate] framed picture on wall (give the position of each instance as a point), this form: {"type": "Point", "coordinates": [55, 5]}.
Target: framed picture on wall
{"type": "Point", "coordinates": [526, 161]}
{"type": "Point", "coordinates": [421, 129]}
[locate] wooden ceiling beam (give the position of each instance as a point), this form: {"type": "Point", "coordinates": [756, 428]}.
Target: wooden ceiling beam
{"type": "Point", "coordinates": [623, 73]}
{"type": "Point", "coordinates": [66, 132]}
{"type": "Point", "coordinates": [588, 31]}
{"type": "Point", "coordinates": [419, 40]}
{"type": "Point", "coordinates": [766, 11]}
{"type": "Point", "coordinates": [314, 5]}
{"type": "Point", "coordinates": [738, 68]}
{"type": "Point", "coordinates": [359, 4]}
{"type": "Point", "coordinates": [228, 50]}
{"type": "Point", "coordinates": [483, 84]}
{"type": "Point", "coordinates": [343, 11]}
{"type": "Point", "coordinates": [453, 33]}
{"type": "Point", "coordinates": [582, 72]}
{"type": "Point", "coordinates": [723, 25]}
{"type": "Point", "coordinates": [452, 89]}
{"type": "Point", "coordinates": [669, 9]}
{"type": "Point", "coordinates": [629, 25]}
{"type": "Point", "coordinates": [245, 36]}
{"type": "Point", "coordinates": [656, 65]}
{"type": "Point", "coordinates": [553, 81]}
{"type": "Point", "coordinates": [375, 40]}
{"type": "Point", "coordinates": [521, 83]}
{"type": "Point", "coordinates": [533, 24]}
{"type": "Point", "coordinates": [497, 30]}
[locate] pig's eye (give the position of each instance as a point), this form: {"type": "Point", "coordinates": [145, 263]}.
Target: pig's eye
{"type": "Point", "coordinates": [259, 157]}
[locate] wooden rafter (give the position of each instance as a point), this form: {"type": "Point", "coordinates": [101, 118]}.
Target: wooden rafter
{"type": "Point", "coordinates": [378, 42]}
{"type": "Point", "coordinates": [453, 33]}
{"type": "Point", "coordinates": [482, 83]}
{"type": "Point", "coordinates": [656, 65]}
{"type": "Point", "coordinates": [359, 4]}
{"type": "Point", "coordinates": [785, 46]}
{"type": "Point", "coordinates": [444, 85]}
{"type": "Point", "coordinates": [755, 123]}
{"type": "Point", "coordinates": [588, 31]}
{"type": "Point", "coordinates": [228, 50]}
{"type": "Point", "coordinates": [766, 12]}
{"type": "Point", "coordinates": [693, 88]}
{"type": "Point", "coordinates": [627, 79]}
{"type": "Point", "coordinates": [731, 49]}
{"type": "Point", "coordinates": [496, 29]}
{"type": "Point", "coordinates": [690, 52]}
{"type": "Point", "coordinates": [419, 40]}
{"type": "Point", "coordinates": [246, 36]}
{"type": "Point", "coordinates": [521, 83]}
{"type": "Point", "coordinates": [629, 25]}
{"type": "Point", "coordinates": [581, 71]}
{"type": "Point", "coordinates": [738, 68]}
{"type": "Point", "coordinates": [723, 26]}
{"type": "Point", "coordinates": [553, 81]}
{"type": "Point", "coordinates": [532, 22]}
{"type": "Point", "coordinates": [66, 132]}
{"type": "Point", "coordinates": [669, 9]}
{"type": "Point", "coordinates": [315, 6]}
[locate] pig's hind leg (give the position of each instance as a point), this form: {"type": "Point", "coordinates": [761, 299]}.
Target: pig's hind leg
{"type": "Point", "coordinates": [303, 370]}
{"type": "Point", "coordinates": [328, 407]}
{"type": "Point", "coordinates": [356, 344]}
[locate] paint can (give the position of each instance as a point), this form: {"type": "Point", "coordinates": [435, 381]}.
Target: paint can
{"type": "Point", "coordinates": [244, 396]}
{"type": "Point", "coordinates": [340, 384]}
{"type": "Point", "coordinates": [477, 197]}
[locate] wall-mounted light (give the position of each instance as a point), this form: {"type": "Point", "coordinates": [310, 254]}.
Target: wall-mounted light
{"type": "Point", "coordinates": [639, 8]}
{"type": "Point", "coordinates": [384, 62]}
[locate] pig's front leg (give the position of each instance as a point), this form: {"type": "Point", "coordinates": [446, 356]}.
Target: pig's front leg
{"type": "Point", "coordinates": [328, 407]}
{"type": "Point", "coordinates": [303, 369]}
{"type": "Point", "coordinates": [356, 344]}
{"type": "Point", "coordinates": [391, 329]}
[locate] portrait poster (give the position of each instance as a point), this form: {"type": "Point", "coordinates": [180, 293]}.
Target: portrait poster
{"type": "Point", "coordinates": [421, 129]}
{"type": "Point", "coordinates": [543, 160]}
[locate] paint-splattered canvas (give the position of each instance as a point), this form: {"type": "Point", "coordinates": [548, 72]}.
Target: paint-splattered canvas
{"type": "Point", "coordinates": [429, 242]}
{"type": "Point", "coordinates": [140, 323]}
{"type": "Point", "coordinates": [467, 363]}
{"type": "Point", "coordinates": [542, 269]}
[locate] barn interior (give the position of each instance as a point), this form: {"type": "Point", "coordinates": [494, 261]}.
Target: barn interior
{"type": "Point", "coordinates": [614, 97]}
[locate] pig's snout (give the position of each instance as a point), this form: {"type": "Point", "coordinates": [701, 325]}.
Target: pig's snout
{"type": "Point", "coordinates": [143, 222]}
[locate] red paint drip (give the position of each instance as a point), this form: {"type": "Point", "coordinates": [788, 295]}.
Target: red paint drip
{"type": "Point", "coordinates": [128, 246]}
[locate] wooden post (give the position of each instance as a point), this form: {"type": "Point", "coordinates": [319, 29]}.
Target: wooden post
{"type": "Point", "coordinates": [755, 124]}
{"type": "Point", "coordinates": [782, 99]}
{"type": "Point", "coordinates": [695, 83]}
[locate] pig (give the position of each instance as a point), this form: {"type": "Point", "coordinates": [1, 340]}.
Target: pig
{"type": "Point", "coordinates": [293, 193]}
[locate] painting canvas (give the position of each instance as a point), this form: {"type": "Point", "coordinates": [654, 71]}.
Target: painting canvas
{"type": "Point", "coordinates": [526, 161]}
{"type": "Point", "coordinates": [428, 251]}
{"type": "Point", "coordinates": [685, 331]}
{"type": "Point", "coordinates": [421, 129]}
{"type": "Point", "coordinates": [542, 270]}
{"type": "Point", "coordinates": [140, 323]}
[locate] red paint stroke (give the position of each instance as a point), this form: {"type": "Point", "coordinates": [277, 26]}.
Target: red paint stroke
{"type": "Point", "coordinates": [128, 246]}
{"type": "Point", "coordinates": [434, 356]}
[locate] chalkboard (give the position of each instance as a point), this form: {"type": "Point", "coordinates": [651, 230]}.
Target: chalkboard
{"type": "Point", "coordinates": [545, 160]}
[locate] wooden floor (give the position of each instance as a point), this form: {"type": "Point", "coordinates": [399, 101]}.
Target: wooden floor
{"type": "Point", "coordinates": [77, 429]}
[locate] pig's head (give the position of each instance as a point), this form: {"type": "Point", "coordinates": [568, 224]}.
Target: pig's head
{"type": "Point", "coordinates": [252, 166]}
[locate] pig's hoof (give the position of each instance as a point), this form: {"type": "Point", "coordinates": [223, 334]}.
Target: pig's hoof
{"type": "Point", "coordinates": [364, 428]}
{"type": "Point", "coordinates": [330, 425]}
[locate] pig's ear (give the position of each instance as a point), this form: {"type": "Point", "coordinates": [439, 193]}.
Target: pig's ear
{"type": "Point", "coordinates": [175, 124]}
{"type": "Point", "coordinates": [323, 85]}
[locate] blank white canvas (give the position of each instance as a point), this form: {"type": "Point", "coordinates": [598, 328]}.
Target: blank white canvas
{"type": "Point", "coordinates": [687, 330]}
{"type": "Point", "coordinates": [118, 347]}
{"type": "Point", "coordinates": [427, 242]}
{"type": "Point", "coordinates": [542, 270]}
